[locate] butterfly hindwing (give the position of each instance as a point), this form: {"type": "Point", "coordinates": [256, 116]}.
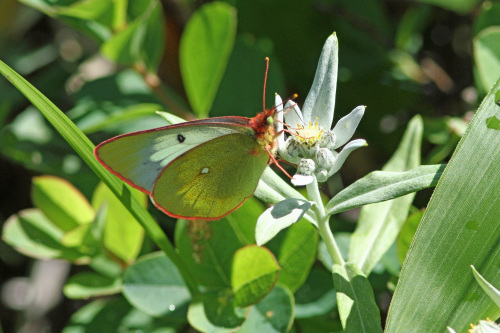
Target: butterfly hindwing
{"type": "Point", "coordinates": [211, 180]}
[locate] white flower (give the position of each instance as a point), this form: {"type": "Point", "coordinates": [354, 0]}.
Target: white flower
{"type": "Point", "coordinates": [310, 137]}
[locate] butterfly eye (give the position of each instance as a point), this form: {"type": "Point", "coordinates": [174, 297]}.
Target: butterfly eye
{"type": "Point", "coordinates": [270, 120]}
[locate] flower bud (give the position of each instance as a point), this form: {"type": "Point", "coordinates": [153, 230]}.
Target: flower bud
{"type": "Point", "coordinates": [306, 167]}
{"type": "Point", "coordinates": [327, 140]}
{"type": "Point", "coordinates": [325, 158]}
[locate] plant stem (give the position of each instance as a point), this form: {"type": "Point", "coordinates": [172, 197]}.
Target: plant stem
{"type": "Point", "coordinates": [323, 223]}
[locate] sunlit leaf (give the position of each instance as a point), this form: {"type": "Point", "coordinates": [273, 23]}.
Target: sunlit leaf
{"type": "Point", "coordinates": [253, 274]}
{"type": "Point", "coordinates": [205, 47]}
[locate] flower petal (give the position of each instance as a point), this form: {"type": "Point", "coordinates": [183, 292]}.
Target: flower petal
{"type": "Point", "coordinates": [293, 115]}
{"type": "Point", "coordinates": [345, 127]}
{"type": "Point", "coordinates": [353, 145]}
{"type": "Point", "coordinates": [302, 180]}
{"type": "Point", "coordinates": [320, 102]}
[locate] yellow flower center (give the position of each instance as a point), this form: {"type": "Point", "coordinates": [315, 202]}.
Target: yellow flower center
{"type": "Point", "coordinates": [308, 135]}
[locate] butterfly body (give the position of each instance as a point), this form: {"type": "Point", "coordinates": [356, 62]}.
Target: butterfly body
{"type": "Point", "coordinates": [202, 169]}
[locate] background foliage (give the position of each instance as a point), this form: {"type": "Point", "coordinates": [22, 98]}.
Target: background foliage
{"type": "Point", "coordinates": [97, 60]}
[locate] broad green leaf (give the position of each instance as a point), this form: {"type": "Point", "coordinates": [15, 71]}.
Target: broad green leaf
{"type": "Point", "coordinates": [123, 235]}
{"type": "Point", "coordinates": [273, 314]}
{"type": "Point", "coordinates": [487, 287]}
{"type": "Point", "coordinates": [461, 6]}
{"type": "Point", "coordinates": [295, 249]}
{"type": "Point", "coordinates": [206, 44]}
{"type": "Point", "coordinates": [31, 233]}
{"type": "Point", "coordinates": [89, 284]}
{"type": "Point", "coordinates": [487, 55]}
{"type": "Point", "coordinates": [141, 41]}
{"type": "Point", "coordinates": [278, 217]}
{"type": "Point", "coordinates": [81, 238]}
{"type": "Point", "coordinates": [407, 233]}
{"type": "Point", "coordinates": [355, 300]}
{"type": "Point", "coordinates": [379, 224]}
{"type": "Point", "coordinates": [380, 186]}
{"type": "Point", "coordinates": [208, 248]}
{"type": "Point", "coordinates": [316, 296]}
{"type": "Point", "coordinates": [88, 237]}
{"type": "Point", "coordinates": [117, 315]}
{"type": "Point", "coordinates": [215, 312]}
{"type": "Point", "coordinates": [106, 266]}
{"type": "Point", "coordinates": [460, 228]}
{"type": "Point", "coordinates": [253, 274]}
{"type": "Point", "coordinates": [93, 17]}
{"type": "Point", "coordinates": [154, 38]}
{"type": "Point", "coordinates": [83, 147]}
{"type": "Point", "coordinates": [87, 10]}
{"type": "Point", "coordinates": [125, 46]}
{"type": "Point", "coordinates": [153, 285]}
{"type": "Point", "coordinates": [61, 202]}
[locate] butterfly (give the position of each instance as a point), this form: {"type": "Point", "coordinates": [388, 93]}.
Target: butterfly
{"type": "Point", "coordinates": [202, 169]}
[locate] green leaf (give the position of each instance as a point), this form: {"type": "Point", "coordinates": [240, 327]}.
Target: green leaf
{"type": "Point", "coordinates": [141, 41]}
{"type": "Point", "coordinates": [295, 249]}
{"type": "Point", "coordinates": [32, 234]}
{"type": "Point", "coordinates": [273, 314]}
{"type": "Point", "coordinates": [459, 228]}
{"type": "Point", "coordinates": [356, 302]}
{"type": "Point", "coordinates": [208, 248]}
{"type": "Point", "coordinates": [407, 233]}
{"type": "Point", "coordinates": [83, 147]}
{"type": "Point", "coordinates": [316, 296]}
{"type": "Point", "coordinates": [253, 275]}
{"type": "Point", "coordinates": [87, 238]}
{"type": "Point", "coordinates": [90, 284]}
{"type": "Point", "coordinates": [487, 287]}
{"type": "Point", "coordinates": [153, 285]}
{"type": "Point", "coordinates": [61, 202]}
{"type": "Point", "coordinates": [86, 10]}
{"type": "Point", "coordinates": [125, 46]}
{"type": "Point", "coordinates": [278, 217]}
{"type": "Point", "coordinates": [117, 315]}
{"type": "Point", "coordinates": [123, 235]}
{"type": "Point", "coordinates": [215, 312]}
{"type": "Point", "coordinates": [379, 224]}
{"type": "Point", "coordinates": [487, 55]}
{"type": "Point", "coordinates": [380, 186]}
{"type": "Point", "coordinates": [206, 45]}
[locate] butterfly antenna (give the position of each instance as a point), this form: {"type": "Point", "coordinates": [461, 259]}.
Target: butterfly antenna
{"type": "Point", "coordinates": [265, 82]}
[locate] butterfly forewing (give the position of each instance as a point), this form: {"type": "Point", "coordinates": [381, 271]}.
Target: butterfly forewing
{"type": "Point", "coordinates": [212, 180]}
{"type": "Point", "coordinates": [139, 158]}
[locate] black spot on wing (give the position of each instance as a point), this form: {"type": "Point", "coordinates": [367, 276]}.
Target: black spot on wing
{"type": "Point", "coordinates": [181, 138]}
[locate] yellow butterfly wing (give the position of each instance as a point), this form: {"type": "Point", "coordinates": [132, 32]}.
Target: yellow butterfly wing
{"type": "Point", "coordinates": [139, 158]}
